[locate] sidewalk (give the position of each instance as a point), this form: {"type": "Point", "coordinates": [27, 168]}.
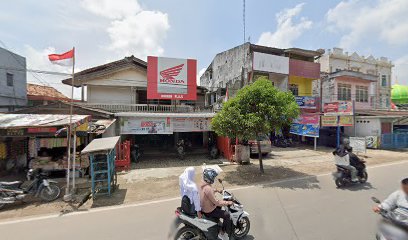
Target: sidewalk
{"type": "Point", "coordinates": [155, 183]}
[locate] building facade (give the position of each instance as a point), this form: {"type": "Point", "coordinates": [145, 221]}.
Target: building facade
{"type": "Point", "coordinates": [351, 77]}
{"type": "Point", "coordinates": [13, 81]}
{"type": "Point", "coordinates": [291, 69]}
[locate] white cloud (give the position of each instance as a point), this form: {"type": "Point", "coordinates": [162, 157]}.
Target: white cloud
{"type": "Point", "coordinates": [386, 20]}
{"type": "Point", "coordinates": [401, 70]}
{"type": "Point", "coordinates": [287, 30]}
{"type": "Point", "coordinates": [140, 34]}
{"type": "Point", "coordinates": [201, 72]}
{"type": "Point", "coordinates": [132, 30]}
{"type": "Point", "coordinates": [112, 9]}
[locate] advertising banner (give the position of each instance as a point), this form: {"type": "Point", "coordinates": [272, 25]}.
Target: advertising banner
{"type": "Point", "coordinates": [330, 121]}
{"type": "Point", "coordinates": [358, 144]}
{"type": "Point", "coordinates": [338, 108]}
{"type": "Point", "coordinates": [372, 142]}
{"type": "Point", "coordinates": [306, 102]}
{"type": "Point", "coordinates": [191, 124]}
{"type": "Point", "coordinates": [312, 119]}
{"type": "Point", "coordinates": [171, 78]}
{"type": "Point", "coordinates": [307, 130]}
{"type": "Point", "coordinates": [138, 125]}
{"type": "Point", "coordinates": [346, 121]}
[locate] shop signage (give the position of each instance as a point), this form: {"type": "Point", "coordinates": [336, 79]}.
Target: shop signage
{"type": "Point", "coordinates": [372, 141]}
{"type": "Point", "coordinates": [191, 124]}
{"type": "Point", "coordinates": [171, 78]}
{"type": "Point", "coordinates": [346, 121]}
{"type": "Point", "coordinates": [313, 119]}
{"type": "Point", "coordinates": [338, 108]}
{"type": "Point", "coordinates": [42, 130]}
{"type": "Point", "coordinates": [329, 121]}
{"type": "Point", "coordinates": [136, 125]}
{"type": "Point", "coordinates": [270, 63]}
{"type": "Point", "coordinates": [306, 102]}
{"type": "Point", "coordinates": [358, 144]}
{"type": "Point", "coordinates": [12, 132]}
{"type": "Point", "coordinates": [307, 130]}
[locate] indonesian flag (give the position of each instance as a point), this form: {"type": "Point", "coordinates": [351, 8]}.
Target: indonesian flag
{"type": "Point", "coordinates": [65, 59]}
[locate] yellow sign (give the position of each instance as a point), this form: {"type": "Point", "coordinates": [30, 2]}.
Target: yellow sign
{"type": "Point", "coordinates": [329, 121]}
{"type": "Point", "coordinates": [346, 121]}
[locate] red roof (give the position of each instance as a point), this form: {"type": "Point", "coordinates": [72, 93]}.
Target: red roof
{"type": "Point", "coordinates": [39, 92]}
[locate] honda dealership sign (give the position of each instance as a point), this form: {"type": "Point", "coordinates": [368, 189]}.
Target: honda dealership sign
{"type": "Point", "coordinates": [171, 78]}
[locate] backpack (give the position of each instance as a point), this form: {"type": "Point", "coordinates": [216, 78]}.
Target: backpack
{"type": "Point", "coordinates": [187, 207]}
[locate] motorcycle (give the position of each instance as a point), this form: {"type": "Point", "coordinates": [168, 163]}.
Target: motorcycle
{"type": "Point", "coordinates": [208, 228]}
{"type": "Point", "coordinates": [394, 224]}
{"type": "Point", "coordinates": [41, 186]}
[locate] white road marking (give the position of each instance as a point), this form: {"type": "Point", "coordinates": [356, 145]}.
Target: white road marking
{"type": "Point", "coordinates": [102, 209]}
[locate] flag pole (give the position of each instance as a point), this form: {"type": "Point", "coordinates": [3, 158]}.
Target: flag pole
{"type": "Point", "coordinates": [68, 196]}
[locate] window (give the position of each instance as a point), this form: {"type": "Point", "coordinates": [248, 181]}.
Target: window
{"type": "Point", "coordinates": [343, 92]}
{"type": "Point", "coordinates": [361, 94]}
{"type": "Point", "coordinates": [384, 80]}
{"type": "Point", "coordinates": [294, 89]}
{"type": "Point", "coordinates": [10, 81]}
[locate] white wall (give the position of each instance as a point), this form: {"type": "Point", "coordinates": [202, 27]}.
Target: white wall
{"type": "Point", "coordinates": [108, 94]}
{"type": "Point", "coordinates": [127, 77]}
{"type": "Point", "coordinates": [365, 127]}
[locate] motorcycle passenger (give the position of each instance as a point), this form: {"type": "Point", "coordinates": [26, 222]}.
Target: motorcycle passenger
{"type": "Point", "coordinates": [398, 199]}
{"type": "Point", "coordinates": [342, 158]}
{"type": "Point", "coordinates": [355, 161]}
{"type": "Point", "coordinates": [189, 192]}
{"type": "Point", "coordinates": [210, 206]}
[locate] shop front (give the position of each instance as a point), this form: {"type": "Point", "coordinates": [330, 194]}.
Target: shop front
{"type": "Point", "coordinates": [158, 133]}
{"type": "Point", "coordinates": [39, 141]}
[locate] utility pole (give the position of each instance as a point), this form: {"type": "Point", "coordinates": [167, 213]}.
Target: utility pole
{"type": "Point", "coordinates": [243, 20]}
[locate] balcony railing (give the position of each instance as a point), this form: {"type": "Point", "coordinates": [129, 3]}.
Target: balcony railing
{"type": "Point", "coordinates": [114, 108]}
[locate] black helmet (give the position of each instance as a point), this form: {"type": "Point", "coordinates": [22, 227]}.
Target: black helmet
{"type": "Point", "coordinates": [209, 175]}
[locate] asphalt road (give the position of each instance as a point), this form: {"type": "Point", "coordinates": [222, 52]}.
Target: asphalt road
{"type": "Point", "coordinates": [307, 209]}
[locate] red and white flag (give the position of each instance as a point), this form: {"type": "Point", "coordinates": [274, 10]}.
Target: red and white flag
{"type": "Point", "coordinates": [65, 59]}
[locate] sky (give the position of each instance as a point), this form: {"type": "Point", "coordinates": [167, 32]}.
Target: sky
{"type": "Point", "coordinates": [108, 30]}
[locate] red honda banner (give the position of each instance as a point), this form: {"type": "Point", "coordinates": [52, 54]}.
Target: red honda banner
{"type": "Point", "coordinates": [171, 78]}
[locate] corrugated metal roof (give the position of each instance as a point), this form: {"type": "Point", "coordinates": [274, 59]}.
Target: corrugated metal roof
{"type": "Point", "coordinates": [38, 120]}
{"type": "Point", "coordinates": [100, 126]}
{"type": "Point", "coordinates": [153, 114]}
{"type": "Point", "coordinates": [101, 144]}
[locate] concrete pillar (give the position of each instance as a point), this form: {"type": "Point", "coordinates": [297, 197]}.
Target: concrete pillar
{"type": "Point", "coordinates": [205, 139]}
{"type": "Point", "coordinates": [82, 93]}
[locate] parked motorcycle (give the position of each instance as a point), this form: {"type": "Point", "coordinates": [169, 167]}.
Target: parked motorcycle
{"type": "Point", "coordinates": [394, 224]}
{"type": "Point", "coordinates": [41, 186]}
{"type": "Point", "coordinates": [181, 149]}
{"type": "Point", "coordinates": [208, 228]}
{"type": "Point", "coordinates": [342, 177]}
{"type": "Point", "coordinates": [281, 142]}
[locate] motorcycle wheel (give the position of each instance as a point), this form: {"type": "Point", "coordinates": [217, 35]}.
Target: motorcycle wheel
{"type": "Point", "coordinates": [50, 193]}
{"type": "Point", "coordinates": [339, 183]}
{"type": "Point", "coordinates": [242, 229]}
{"type": "Point", "coordinates": [2, 204]}
{"type": "Point", "coordinates": [187, 233]}
{"type": "Point", "coordinates": [364, 178]}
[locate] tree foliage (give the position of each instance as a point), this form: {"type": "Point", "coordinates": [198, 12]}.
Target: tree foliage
{"type": "Point", "coordinates": [256, 109]}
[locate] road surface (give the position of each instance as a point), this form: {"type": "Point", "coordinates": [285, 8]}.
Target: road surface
{"type": "Point", "coordinates": [310, 208]}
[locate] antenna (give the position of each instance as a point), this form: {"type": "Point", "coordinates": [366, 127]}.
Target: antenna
{"type": "Point", "coordinates": [243, 18]}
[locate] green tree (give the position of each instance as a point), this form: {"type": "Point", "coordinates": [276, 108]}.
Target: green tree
{"type": "Point", "coordinates": [257, 109]}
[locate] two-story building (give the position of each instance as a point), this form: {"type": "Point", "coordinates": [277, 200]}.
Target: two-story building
{"type": "Point", "coordinates": [121, 87]}
{"type": "Point", "coordinates": [291, 69]}
{"type": "Point", "coordinates": [13, 81]}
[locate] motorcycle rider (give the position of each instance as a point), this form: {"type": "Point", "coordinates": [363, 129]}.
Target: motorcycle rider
{"type": "Point", "coordinates": [398, 199]}
{"type": "Point", "coordinates": [189, 188]}
{"type": "Point", "coordinates": [342, 158]}
{"type": "Point", "coordinates": [210, 206]}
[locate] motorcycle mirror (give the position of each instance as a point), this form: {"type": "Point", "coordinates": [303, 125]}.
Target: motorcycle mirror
{"type": "Point", "coordinates": [375, 200]}
{"type": "Point", "coordinates": [220, 180]}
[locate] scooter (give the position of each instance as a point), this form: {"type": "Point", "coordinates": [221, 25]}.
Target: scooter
{"type": "Point", "coordinates": [394, 224]}
{"type": "Point", "coordinates": [208, 228]}
{"type": "Point", "coordinates": [342, 177]}
{"type": "Point", "coordinates": [181, 149]}
{"type": "Point", "coordinates": [41, 186]}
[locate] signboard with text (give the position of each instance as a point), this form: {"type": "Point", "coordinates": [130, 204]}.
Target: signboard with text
{"type": "Point", "coordinates": [171, 78]}
{"type": "Point", "coordinates": [334, 121]}
{"type": "Point", "coordinates": [139, 125]}
{"type": "Point", "coordinates": [338, 108]}
{"type": "Point", "coordinates": [306, 102]}
{"type": "Point", "coordinates": [313, 119]}
{"type": "Point", "coordinates": [308, 130]}
{"type": "Point", "coordinates": [191, 124]}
